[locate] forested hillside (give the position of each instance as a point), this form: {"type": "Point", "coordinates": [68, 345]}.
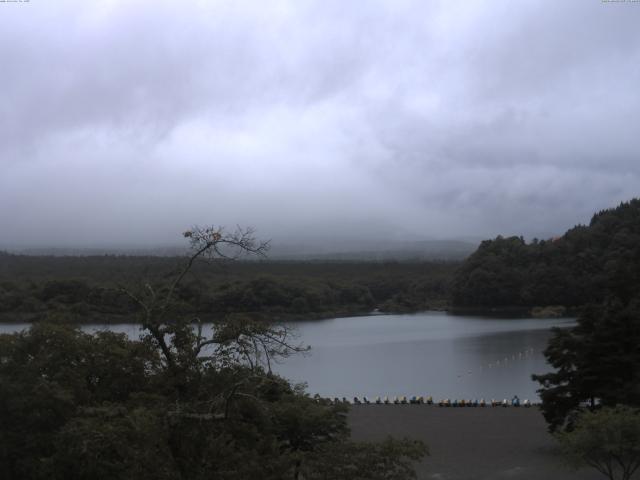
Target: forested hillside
{"type": "Point", "coordinates": [86, 289]}
{"type": "Point", "coordinates": [583, 266]}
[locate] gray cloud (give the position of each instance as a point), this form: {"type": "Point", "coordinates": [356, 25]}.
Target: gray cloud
{"type": "Point", "coordinates": [124, 122]}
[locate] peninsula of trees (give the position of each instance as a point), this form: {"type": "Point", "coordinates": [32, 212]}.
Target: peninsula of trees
{"type": "Point", "coordinates": [585, 265]}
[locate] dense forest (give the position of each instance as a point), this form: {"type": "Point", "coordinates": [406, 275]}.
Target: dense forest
{"type": "Point", "coordinates": [89, 289]}
{"type": "Point", "coordinates": [583, 266]}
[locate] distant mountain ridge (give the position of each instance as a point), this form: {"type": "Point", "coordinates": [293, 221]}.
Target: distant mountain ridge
{"type": "Point", "coordinates": [165, 251]}
{"type": "Point", "coordinates": [382, 251]}
{"type": "Point", "coordinates": [401, 251]}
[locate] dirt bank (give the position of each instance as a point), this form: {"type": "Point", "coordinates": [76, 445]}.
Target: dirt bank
{"type": "Point", "coordinates": [471, 443]}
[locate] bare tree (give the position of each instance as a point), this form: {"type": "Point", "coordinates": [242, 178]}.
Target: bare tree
{"type": "Point", "coordinates": [183, 342]}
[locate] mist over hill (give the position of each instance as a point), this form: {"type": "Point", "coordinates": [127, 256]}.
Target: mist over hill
{"type": "Point", "coordinates": [380, 251]}
{"type": "Point", "coordinates": [338, 250]}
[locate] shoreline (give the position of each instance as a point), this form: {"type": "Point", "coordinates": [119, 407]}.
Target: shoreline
{"type": "Point", "coordinates": [121, 319]}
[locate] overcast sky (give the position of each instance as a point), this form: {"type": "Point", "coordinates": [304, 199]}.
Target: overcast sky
{"type": "Point", "coordinates": [125, 122]}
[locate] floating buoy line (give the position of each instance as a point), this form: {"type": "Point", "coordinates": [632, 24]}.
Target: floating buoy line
{"type": "Point", "coordinates": [503, 362]}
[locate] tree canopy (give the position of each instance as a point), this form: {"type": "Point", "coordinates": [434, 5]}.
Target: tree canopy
{"type": "Point", "coordinates": [33, 288]}
{"type": "Point", "coordinates": [597, 363]}
{"type": "Point", "coordinates": [182, 402]}
{"type": "Point", "coordinates": [585, 265]}
{"type": "Point", "coordinates": [607, 440]}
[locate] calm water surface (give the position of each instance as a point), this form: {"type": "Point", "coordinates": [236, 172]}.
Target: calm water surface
{"type": "Point", "coordinates": [422, 354]}
{"type": "Point", "coordinates": [429, 353]}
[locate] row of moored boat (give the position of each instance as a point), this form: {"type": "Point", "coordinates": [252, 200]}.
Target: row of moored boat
{"type": "Point", "coordinates": [446, 402]}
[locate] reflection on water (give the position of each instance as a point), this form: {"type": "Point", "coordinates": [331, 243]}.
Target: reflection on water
{"type": "Point", "coordinates": [428, 353]}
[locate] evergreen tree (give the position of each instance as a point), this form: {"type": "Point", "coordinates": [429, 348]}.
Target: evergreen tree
{"type": "Point", "coordinates": [597, 363]}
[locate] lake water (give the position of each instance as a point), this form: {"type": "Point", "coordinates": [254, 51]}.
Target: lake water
{"type": "Point", "coordinates": [429, 353]}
